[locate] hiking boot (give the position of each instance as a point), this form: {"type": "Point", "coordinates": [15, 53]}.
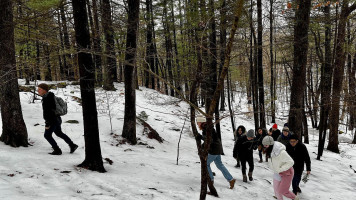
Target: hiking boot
{"type": "Point", "coordinates": [261, 161]}
{"type": "Point", "coordinates": [232, 183]}
{"type": "Point", "coordinates": [73, 147]}
{"type": "Point", "coordinates": [250, 176]}
{"type": "Point", "coordinates": [244, 178]}
{"type": "Point", "coordinates": [56, 151]}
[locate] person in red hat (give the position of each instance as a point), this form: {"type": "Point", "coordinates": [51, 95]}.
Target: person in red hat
{"type": "Point", "coordinates": [275, 132]}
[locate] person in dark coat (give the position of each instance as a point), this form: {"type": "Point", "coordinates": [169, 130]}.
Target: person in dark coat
{"type": "Point", "coordinates": [244, 150]}
{"type": "Point", "coordinates": [53, 122]}
{"type": "Point", "coordinates": [299, 152]}
{"type": "Point", "coordinates": [284, 137]}
{"type": "Point", "coordinates": [261, 133]}
{"type": "Point", "coordinates": [275, 132]}
{"type": "Point", "coordinates": [240, 131]}
{"type": "Point", "coordinates": [215, 151]}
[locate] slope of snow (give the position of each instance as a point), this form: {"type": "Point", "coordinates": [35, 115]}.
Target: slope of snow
{"type": "Point", "coordinates": [150, 170]}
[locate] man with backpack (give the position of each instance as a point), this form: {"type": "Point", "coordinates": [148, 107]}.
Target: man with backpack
{"type": "Point", "coordinates": [52, 112]}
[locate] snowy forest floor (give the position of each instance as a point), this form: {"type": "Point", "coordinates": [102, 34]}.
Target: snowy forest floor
{"type": "Point", "coordinates": [149, 170]}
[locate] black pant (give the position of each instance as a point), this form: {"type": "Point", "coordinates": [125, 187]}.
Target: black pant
{"type": "Point", "coordinates": [249, 160]}
{"type": "Point", "coordinates": [56, 128]}
{"type": "Point", "coordinates": [296, 180]}
{"type": "Point", "coordinates": [260, 154]}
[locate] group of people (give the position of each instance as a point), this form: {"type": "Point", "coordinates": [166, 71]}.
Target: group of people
{"type": "Point", "coordinates": [284, 152]}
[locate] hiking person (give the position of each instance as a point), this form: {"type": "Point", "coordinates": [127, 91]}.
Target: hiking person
{"type": "Point", "coordinates": [261, 133]}
{"type": "Point", "coordinates": [244, 150]}
{"type": "Point", "coordinates": [275, 132]}
{"type": "Point", "coordinates": [299, 152]}
{"type": "Point", "coordinates": [284, 137]}
{"type": "Point", "coordinates": [282, 165]}
{"type": "Point", "coordinates": [52, 121]}
{"type": "Point", "coordinates": [270, 133]}
{"type": "Point", "coordinates": [241, 130]}
{"type": "Point", "coordinates": [215, 151]}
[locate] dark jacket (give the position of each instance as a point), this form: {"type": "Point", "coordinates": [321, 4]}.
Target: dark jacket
{"type": "Point", "coordinates": [215, 145]}
{"type": "Point", "coordinates": [49, 106]}
{"type": "Point", "coordinates": [244, 148]}
{"type": "Point", "coordinates": [300, 155]}
{"type": "Point", "coordinates": [276, 134]}
{"type": "Point", "coordinates": [284, 139]}
{"type": "Point", "coordinates": [259, 137]}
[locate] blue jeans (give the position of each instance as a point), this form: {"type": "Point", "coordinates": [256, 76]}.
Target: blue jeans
{"type": "Point", "coordinates": [295, 182]}
{"type": "Point", "coordinates": [56, 128]}
{"type": "Point", "coordinates": [219, 165]}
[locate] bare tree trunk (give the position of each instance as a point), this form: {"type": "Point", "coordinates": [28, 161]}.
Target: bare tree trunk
{"type": "Point", "coordinates": [223, 26]}
{"type": "Point", "coordinates": [352, 87]}
{"type": "Point", "coordinates": [97, 44]}
{"type": "Point", "coordinates": [229, 104]}
{"type": "Point", "coordinates": [260, 66]}
{"type": "Point", "coordinates": [212, 69]}
{"type": "Point", "coordinates": [68, 68]}
{"type": "Point", "coordinates": [93, 159]}
{"type": "Point", "coordinates": [110, 68]}
{"type": "Point", "coordinates": [177, 80]}
{"type": "Point", "coordinates": [129, 129]}
{"type": "Point", "coordinates": [338, 76]}
{"type": "Point", "coordinates": [301, 28]}
{"type": "Point", "coordinates": [169, 46]}
{"type": "Point", "coordinates": [272, 86]}
{"type": "Point", "coordinates": [253, 70]}
{"type": "Point", "coordinates": [14, 131]}
{"type": "Point", "coordinates": [150, 60]}
{"type": "Point", "coordinates": [326, 74]}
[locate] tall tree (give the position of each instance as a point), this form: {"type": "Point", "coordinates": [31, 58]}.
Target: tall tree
{"type": "Point", "coordinates": [223, 25]}
{"type": "Point", "coordinates": [110, 67]}
{"type": "Point", "coordinates": [129, 129]}
{"type": "Point", "coordinates": [150, 56]}
{"type": "Point", "coordinates": [212, 67]}
{"type": "Point", "coordinates": [14, 130]}
{"type": "Point", "coordinates": [96, 43]}
{"type": "Point", "coordinates": [93, 159]}
{"type": "Point", "coordinates": [325, 83]}
{"type": "Point", "coordinates": [168, 45]}
{"type": "Point", "coordinates": [253, 69]}
{"type": "Point", "coordinates": [177, 80]}
{"type": "Point", "coordinates": [261, 92]}
{"type": "Point", "coordinates": [301, 27]}
{"type": "Point", "coordinates": [273, 82]}
{"type": "Point", "coordinates": [68, 68]}
{"type": "Point", "coordinates": [353, 94]}
{"type": "Point", "coordinates": [339, 66]}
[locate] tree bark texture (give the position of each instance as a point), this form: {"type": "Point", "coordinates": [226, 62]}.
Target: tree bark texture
{"type": "Point", "coordinates": [93, 159]}
{"type": "Point", "coordinates": [261, 91]}
{"type": "Point", "coordinates": [339, 66]}
{"type": "Point", "coordinates": [325, 84]}
{"type": "Point", "coordinates": [129, 129]}
{"type": "Point", "coordinates": [301, 28]}
{"type": "Point", "coordinates": [14, 130]}
{"type": "Point", "coordinates": [110, 66]}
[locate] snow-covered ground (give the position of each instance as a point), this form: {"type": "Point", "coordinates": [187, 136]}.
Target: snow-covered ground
{"type": "Point", "coordinates": [150, 170]}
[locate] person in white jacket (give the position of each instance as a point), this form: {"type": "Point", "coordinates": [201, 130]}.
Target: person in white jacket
{"type": "Point", "coordinates": [282, 165]}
